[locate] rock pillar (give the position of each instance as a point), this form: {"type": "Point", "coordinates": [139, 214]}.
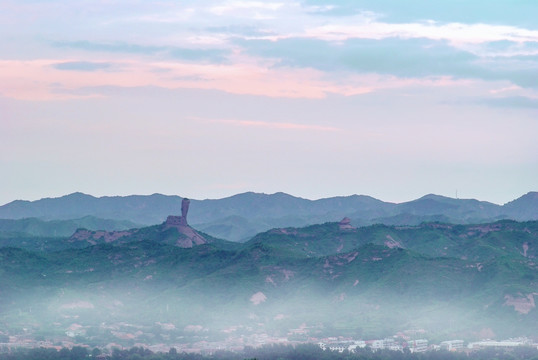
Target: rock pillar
{"type": "Point", "coordinates": [184, 210]}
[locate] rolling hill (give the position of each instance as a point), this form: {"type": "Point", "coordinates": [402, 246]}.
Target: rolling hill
{"type": "Point", "coordinates": [239, 217]}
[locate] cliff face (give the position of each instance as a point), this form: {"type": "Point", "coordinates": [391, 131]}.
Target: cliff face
{"type": "Point", "coordinates": [345, 224]}
{"type": "Point", "coordinates": [96, 237]}
{"type": "Point", "coordinates": [188, 236]}
{"type": "Point", "coordinates": [184, 211]}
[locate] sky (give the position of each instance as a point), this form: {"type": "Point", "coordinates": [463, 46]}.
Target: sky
{"type": "Point", "coordinates": [317, 98]}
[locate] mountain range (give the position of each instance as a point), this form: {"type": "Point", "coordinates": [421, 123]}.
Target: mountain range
{"type": "Point", "coordinates": [81, 266]}
{"type": "Point", "coordinates": [239, 217]}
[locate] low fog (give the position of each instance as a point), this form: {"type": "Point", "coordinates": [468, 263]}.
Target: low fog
{"type": "Point", "coordinates": [244, 313]}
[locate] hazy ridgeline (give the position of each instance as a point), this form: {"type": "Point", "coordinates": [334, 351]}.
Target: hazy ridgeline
{"type": "Point", "coordinates": [242, 216]}
{"type": "Point", "coordinates": [299, 352]}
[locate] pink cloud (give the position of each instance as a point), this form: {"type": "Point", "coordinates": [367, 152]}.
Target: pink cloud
{"type": "Point", "coordinates": [40, 80]}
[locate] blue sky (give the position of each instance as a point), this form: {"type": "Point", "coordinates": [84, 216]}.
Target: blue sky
{"type": "Point", "coordinates": [206, 99]}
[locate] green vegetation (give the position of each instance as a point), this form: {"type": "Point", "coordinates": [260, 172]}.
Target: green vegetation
{"type": "Point", "coordinates": [452, 281]}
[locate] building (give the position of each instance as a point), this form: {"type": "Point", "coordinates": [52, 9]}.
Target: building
{"type": "Point", "coordinates": [452, 345]}
{"type": "Point", "coordinates": [500, 344]}
{"type": "Point", "coordinates": [420, 345]}
{"type": "Point", "coordinates": [350, 346]}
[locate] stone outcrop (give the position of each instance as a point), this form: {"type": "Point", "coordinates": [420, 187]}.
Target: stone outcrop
{"type": "Point", "coordinates": [188, 236]}
{"type": "Point", "coordinates": [521, 303]}
{"type": "Point", "coordinates": [391, 243]}
{"type": "Point", "coordinates": [184, 211]}
{"type": "Point", "coordinates": [345, 224]}
{"type": "Point", "coordinates": [172, 221]}
{"type": "Point", "coordinates": [175, 221]}
{"type": "Point", "coordinates": [99, 236]}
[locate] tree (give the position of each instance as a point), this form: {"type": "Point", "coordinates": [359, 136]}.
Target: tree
{"type": "Point", "coordinates": [172, 353]}
{"type": "Point", "coordinates": [79, 353]}
{"type": "Point", "coordinates": [96, 352]}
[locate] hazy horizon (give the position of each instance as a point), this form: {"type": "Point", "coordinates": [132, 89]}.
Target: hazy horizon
{"type": "Point", "coordinates": [264, 193]}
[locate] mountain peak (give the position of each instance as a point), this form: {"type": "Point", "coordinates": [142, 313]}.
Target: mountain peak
{"type": "Point", "coordinates": [435, 197]}
{"type": "Point", "coordinates": [522, 208]}
{"type": "Point", "coordinates": [77, 195]}
{"type": "Point", "coordinates": [531, 195]}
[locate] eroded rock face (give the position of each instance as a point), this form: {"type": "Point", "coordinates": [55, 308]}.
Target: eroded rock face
{"type": "Point", "coordinates": [190, 236]}
{"type": "Point", "coordinates": [175, 221]}
{"type": "Point", "coordinates": [522, 304]}
{"type": "Point", "coordinates": [95, 237]}
{"type": "Point", "coordinates": [184, 211]}
{"type": "Point", "coordinates": [172, 221]}
{"type": "Point", "coordinates": [391, 243]}
{"type": "Point", "coordinates": [345, 224]}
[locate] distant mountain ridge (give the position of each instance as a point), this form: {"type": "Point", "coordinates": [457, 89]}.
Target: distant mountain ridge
{"type": "Point", "coordinates": [242, 216]}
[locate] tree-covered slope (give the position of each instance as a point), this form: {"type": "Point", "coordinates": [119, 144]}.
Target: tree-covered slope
{"type": "Point", "coordinates": [372, 281]}
{"type": "Point", "coordinates": [477, 242]}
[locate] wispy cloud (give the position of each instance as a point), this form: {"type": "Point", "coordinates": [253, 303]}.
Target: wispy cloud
{"type": "Point", "coordinates": [42, 80]}
{"type": "Point", "coordinates": [232, 6]}
{"type": "Point", "coordinates": [82, 66]}
{"type": "Point", "coordinates": [521, 13]}
{"type": "Point", "coordinates": [269, 125]}
{"type": "Point", "coordinates": [416, 58]}
{"type": "Point", "coordinates": [217, 45]}
{"type": "Point", "coordinates": [512, 102]}
{"type": "Point", "coordinates": [189, 54]}
{"type": "Point", "coordinates": [455, 33]}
